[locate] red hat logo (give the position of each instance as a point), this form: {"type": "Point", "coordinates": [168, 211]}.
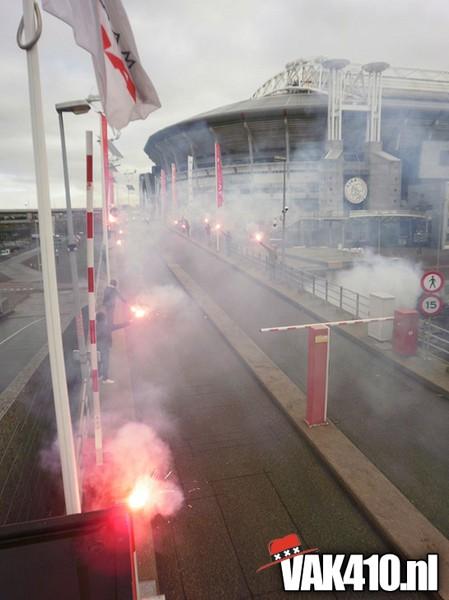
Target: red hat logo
{"type": "Point", "coordinates": [285, 548]}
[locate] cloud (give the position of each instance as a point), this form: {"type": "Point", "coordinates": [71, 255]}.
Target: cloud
{"type": "Point", "coordinates": [200, 54]}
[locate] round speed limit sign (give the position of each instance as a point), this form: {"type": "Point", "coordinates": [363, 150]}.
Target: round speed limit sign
{"type": "Point", "coordinates": [430, 305]}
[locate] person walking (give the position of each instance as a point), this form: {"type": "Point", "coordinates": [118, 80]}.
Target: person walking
{"type": "Point", "coordinates": [111, 294]}
{"type": "Point", "coordinates": [207, 229]}
{"type": "Point", "coordinates": [104, 343]}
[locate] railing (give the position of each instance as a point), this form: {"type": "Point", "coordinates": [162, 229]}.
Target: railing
{"type": "Point", "coordinates": [352, 302]}
{"type": "Point", "coordinates": [434, 339]}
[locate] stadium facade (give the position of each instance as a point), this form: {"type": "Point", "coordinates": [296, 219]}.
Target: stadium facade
{"type": "Point", "coordinates": [365, 149]}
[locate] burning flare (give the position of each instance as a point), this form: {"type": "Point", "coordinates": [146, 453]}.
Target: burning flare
{"type": "Point", "coordinates": [141, 494]}
{"type": "Point", "coordinates": [119, 242]}
{"type": "Point", "coordinates": [258, 237]}
{"type": "Point", "coordinates": [139, 311]}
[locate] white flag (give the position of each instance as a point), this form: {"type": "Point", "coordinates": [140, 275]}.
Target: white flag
{"type": "Point", "coordinates": [102, 28]}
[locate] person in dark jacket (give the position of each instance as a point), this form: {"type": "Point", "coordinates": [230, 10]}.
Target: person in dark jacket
{"type": "Point", "coordinates": [111, 294]}
{"type": "Point", "coordinates": [104, 343]}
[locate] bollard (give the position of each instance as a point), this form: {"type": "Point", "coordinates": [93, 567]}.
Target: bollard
{"type": "Point", "coordinates": [317, 375]}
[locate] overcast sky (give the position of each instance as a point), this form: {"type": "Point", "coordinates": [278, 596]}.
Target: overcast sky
{"type": "Point", "coordinates": [200, 54]}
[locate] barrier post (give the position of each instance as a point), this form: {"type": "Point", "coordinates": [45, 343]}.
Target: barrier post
{"type": "Point", "coordinates": [92, 300]}
{"type": "Point", "coordinates": [317, 375]}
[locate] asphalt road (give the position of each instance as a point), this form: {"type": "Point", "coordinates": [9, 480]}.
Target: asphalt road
{"type": "Point", "coordinates": [402, 426]}
{"type": "Point", "coordinates": [247, 475]}
{"type": "Point", "coordinates": [23, 333]}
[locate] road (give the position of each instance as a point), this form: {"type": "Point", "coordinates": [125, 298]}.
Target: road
{"type": "Point", "coordinates": [23, 333]}
{"type": "Point", "coordinates": [247, 475]}
{"type": "Point", "coordinates": [397, 422]}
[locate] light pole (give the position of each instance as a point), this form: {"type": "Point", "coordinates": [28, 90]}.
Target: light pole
{"type": "Point", "coordinates": [284, 208]}
{"type": "Point", "coordinates": [78, 107]}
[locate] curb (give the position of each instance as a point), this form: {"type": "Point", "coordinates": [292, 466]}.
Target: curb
{"type": "Point", "coordinates": [288, 296]}
{"type": "Point", "coordinates": [392, 514]}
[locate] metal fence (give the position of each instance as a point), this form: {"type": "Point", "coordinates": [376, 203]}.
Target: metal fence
{"type": "Point", "coordinates": [352, 302]}
{"type": "Point", "coordinates": [434, 339]}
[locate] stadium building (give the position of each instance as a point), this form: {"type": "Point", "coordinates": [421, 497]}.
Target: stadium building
{"type": "Point", "coordinates": [365, 151]}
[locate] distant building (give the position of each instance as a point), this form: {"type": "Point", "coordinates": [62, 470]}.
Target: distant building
{"type": "Point", "coordinates": [366, 149]}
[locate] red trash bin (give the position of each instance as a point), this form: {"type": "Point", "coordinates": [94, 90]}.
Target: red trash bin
{"type": "Point", "coordinates": [405, 332]}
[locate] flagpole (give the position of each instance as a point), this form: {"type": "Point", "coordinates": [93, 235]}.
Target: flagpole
{"type": "Point", "coordinates": [52, 313]}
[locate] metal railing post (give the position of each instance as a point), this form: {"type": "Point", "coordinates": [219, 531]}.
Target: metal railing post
{"type": "Point", "coordinates": [341, 297]}
{"type": "Point", "coordinates": [357, 305]}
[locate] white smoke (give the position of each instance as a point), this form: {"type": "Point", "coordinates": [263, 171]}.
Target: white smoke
{"type": "Point", "coordinates": [395, 276]}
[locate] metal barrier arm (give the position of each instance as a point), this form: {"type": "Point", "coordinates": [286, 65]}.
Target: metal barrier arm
{"type": "Point", "coordinates": [327, 323]}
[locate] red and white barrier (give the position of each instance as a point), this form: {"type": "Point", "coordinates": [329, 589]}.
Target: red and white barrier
{"type": "Point", "coordinates": [318, 363]}
{"type": "Point", "coordinates": [91, 299]}
{"type": "Point", "coordinates": [327, 323]}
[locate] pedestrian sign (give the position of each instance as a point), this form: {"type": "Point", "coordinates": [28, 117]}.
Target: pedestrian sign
{"type": "Point", "coordinates": [432, 281]}
{"type": "Point", "coordinates": [430, 305]}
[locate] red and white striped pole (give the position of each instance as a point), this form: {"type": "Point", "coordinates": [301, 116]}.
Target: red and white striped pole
{"type": "Point", "coordinates": [107, 191]}
{"type": "Point", "coordinates": [91, 299]}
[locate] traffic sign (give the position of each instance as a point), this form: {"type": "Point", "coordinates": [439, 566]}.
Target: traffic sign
{"type": "Point", "coordinates": [432, 281]}
{"type": "Point", "coordinates": [430, 305]}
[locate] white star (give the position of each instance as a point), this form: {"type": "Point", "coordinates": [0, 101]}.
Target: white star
{"type": "Point", "coordinates": [286, 552]}
{"type": "Point", "coordinates": [277, 557]}
{"type": "Point", "coordinates": [296, 550]}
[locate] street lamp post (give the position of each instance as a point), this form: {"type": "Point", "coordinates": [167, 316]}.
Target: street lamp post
{"type": "Point", "coordinates": [77, 108]}
{"type": "Point", "coordinates": [284, 208]}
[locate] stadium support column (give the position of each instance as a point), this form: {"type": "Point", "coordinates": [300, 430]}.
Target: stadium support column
{"type": "Point", "coordinates": [287, 151]}
{"type": "Point", "coordinates": [250, 143]}
{"type": "Point", "coordinates": [384, 169]}
{"type": "Point", "coordinates": [251, 154]}
{"type": "Point", "coordinates": [331, 180]}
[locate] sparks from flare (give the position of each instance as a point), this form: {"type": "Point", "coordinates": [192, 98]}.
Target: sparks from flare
{"type": "Point", "coordinates": [258, 237]}
{"type": "Point", "coordinates": [141, 494]}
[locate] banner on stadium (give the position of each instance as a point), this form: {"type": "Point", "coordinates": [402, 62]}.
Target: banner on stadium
{"type": "Point", "coordinates": [218, 176]}
{"type": "Point", "coordinates": [173, 186]}
{"type": "Point", "coordinates": [190, 178]}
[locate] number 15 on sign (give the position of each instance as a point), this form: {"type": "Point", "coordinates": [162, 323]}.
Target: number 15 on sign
{"type": "Point", "coordinates": [430, 305]}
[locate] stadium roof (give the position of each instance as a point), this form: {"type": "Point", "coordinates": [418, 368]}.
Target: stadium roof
{"type": "Point", "coordinates": [301, 91]}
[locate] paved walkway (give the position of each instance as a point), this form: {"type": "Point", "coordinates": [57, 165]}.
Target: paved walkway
{"type": "Point", "coordinates": [247, 475]}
